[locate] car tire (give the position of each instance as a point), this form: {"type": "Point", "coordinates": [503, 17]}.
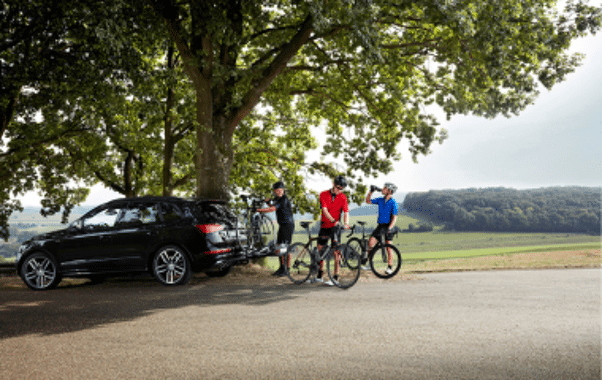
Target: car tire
{"type": "Point", "coordinates": [171, 266]}
{"type": "Point", "coordinates": [40, 272]}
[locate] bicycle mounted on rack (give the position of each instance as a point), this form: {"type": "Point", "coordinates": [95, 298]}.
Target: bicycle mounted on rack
{"type": "Point", "coordinates": [256, 234]}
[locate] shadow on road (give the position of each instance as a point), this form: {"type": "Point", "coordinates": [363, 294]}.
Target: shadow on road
{"type": "Point", "coordinates": [79, 306]}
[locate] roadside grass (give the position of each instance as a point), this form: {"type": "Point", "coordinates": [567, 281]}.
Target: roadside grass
{"type": "Point", "coordinates": [494, 251]}
{"type": "Point", "coordinates": [588, 258]}
{"type": "Point", "coordinates": [456, 241]}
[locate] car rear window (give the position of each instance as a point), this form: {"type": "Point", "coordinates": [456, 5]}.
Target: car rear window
{"type": "Point", "coordinates": [170, 212]}
{"type": "Point", "coordinates": [210, 212]}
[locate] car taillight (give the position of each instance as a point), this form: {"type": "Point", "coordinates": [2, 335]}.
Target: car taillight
{"type": "Point", "coordinates": [209, 228]}
{"type": "Point", "coordinates": [217, 251]}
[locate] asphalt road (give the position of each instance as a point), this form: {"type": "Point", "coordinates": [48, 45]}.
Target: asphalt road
{"type": "Point", "coordinates": [541, 324]}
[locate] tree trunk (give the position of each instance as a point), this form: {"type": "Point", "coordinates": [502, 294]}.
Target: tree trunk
{"type": "Point", "coordinates": [168, 148]}
{"type": "Point", "coordinates": [8, 100]}
{"type": "Point", "coordinates": [213, 164]}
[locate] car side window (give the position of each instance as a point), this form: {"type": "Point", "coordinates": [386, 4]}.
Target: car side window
{"type": "Point", "coordinates": [149, 214]}
{"type": "Point", "coordinates": [138, 214]}
{"type": "Point", "coordinates": [170, 212]}
{"type": "Point", "coordinates": [105, 218]}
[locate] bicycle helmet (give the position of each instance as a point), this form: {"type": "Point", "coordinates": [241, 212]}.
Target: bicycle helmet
{"type": "Point", "coordinates": [278, 185]}
{"type": "Point", "coordinates": [391, 187]}
{"type": "Point", "coordinates": [340, 181]}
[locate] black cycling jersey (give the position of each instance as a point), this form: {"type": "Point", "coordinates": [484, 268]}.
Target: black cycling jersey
{"type": "Point", "coordinates": [284, 210]}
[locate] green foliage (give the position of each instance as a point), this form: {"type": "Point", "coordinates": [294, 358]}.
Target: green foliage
{"type": "Point", "coordinates": [219, 97]}
{"type": "Point", "coordinates": [565, 209]}
{"type": "Point", "coordinates": [55, 60]}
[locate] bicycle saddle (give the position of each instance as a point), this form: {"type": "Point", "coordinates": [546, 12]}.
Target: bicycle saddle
{"type": "Point", "coordinates": [305, 224]}
{"type": "Point", "coordinates": [362, 223]}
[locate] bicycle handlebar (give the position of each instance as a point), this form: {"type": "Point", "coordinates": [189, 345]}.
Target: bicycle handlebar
{"type": "Point", "coordinates": [255, 201]}
{"type": "Point", "coordinates": [352, 230]}
{"type": "Point", "coordinates": [395, 230]}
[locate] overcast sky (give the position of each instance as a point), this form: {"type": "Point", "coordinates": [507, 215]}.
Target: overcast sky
{"type": "Point", "coordinates": [555, 142]}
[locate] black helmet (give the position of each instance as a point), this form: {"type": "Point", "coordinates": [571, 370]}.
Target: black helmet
{"type": "Point", "coordinates": [340, 181]}
{"type": "Point", "coordinates": [278, 185]}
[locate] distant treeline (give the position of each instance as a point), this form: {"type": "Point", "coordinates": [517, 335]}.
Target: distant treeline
{"type": "Point", "coordinates": [554, 209]}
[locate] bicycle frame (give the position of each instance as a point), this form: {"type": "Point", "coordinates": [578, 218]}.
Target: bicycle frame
{"type": "Point", "coordinates": [342, 262]}
{"type": "Point", "coordinates": [323, 253]}
{"type": "Point", "coordinates": [391, 258]}
{"type": "Point", "coordinates": [380, 240]}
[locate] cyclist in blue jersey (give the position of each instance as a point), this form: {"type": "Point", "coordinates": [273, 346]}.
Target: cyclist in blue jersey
{"type": "Point", "coordinates": [387, 217]}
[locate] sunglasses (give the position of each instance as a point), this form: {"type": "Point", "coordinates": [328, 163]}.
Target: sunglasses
{"type": "Point", "coordinates": [339, 187]}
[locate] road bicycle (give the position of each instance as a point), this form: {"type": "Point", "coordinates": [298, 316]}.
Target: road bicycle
{"type": "Point", "coordinates": [342, 261]}
{"type": "Point", "coordinates": [256, 232]}
{"type": "Point", "coordinates": [385, 259]}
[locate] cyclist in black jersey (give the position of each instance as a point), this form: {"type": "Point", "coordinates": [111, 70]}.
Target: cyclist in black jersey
{"type": "Point", "coordinates": [284, 214]}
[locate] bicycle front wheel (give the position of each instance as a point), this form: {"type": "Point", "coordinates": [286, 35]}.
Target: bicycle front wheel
{"type": "Point", "coordinates": [298, 263]}
{"type": "Point", "coordinates": [357, 245]}
{"type": "Point", "coordinates": [343, 265]}
{"type": "Point", "coordinates": [385, 260]}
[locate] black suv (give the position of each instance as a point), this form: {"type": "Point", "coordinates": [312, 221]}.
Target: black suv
{"type": "Point", "coordinates": [168, 237]}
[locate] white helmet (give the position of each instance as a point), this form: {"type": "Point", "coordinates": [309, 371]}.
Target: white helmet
{"type": "Point", "coordinates": [391, 187]}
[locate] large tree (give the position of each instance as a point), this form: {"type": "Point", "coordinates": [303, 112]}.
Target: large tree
{"type": "Point", "coordinates": [264, 75]}
{"type": "Point", "coordinates": [366, 69]}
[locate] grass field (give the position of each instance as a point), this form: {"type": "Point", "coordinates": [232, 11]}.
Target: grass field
{"type": "Point", "coordinates": [440, 250]}
{"type": "Point", "coordinates": [426, 243]}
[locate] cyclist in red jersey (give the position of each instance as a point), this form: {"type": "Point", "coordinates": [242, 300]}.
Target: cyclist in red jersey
{"type": "Point", "coordinates": [332, 203]}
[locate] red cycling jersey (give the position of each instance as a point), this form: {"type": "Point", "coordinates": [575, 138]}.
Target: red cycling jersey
{"type": "Point", "coordinates": [334, 207]}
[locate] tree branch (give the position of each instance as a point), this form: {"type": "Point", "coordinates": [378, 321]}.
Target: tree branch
{"type": "Point", "coordinates": [279, 63]}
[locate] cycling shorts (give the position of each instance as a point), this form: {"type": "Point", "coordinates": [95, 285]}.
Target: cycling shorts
{"type": "Point", "coordinates": [379, 229]}
{"type": "Point", "coordinates": [325, 235]}
{"type": "Point", "coordinates": [285, 233]}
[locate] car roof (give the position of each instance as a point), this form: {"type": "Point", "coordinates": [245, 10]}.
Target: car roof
{"type": "Point", "coordinates": [172, 199]}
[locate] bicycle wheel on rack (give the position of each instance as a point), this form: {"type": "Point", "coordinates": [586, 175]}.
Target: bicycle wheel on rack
{"type": "Point", "coordinates": [298, 263]}
{"type": "Point", "coordinates": [385, 260]}
{"type": "Point", "coordinates": [344, 266]}
{"type": "Point", "coordinates": [263, 231]}
{"type": "Point", "coordinates": [357, 245]}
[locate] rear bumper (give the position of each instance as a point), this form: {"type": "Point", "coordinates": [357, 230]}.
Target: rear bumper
{"type": "Point", "coordinates": [220, 259]}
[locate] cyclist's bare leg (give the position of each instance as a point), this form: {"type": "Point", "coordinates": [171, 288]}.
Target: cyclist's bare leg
{"type": "Point", "coordinates": [371, 243]}
{"type": "Point", "coordinates": [337, 262]}
{"type": "Point", "coordinates": [321, 262]}
{"type": "Point", "coordinates": [389, 254]}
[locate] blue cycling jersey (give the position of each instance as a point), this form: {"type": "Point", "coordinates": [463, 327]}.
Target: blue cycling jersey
{"type": "Point", "coordinates": [386, 209]}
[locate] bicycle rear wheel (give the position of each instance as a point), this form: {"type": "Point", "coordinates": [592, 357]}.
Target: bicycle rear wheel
{"type": "Point", "coordinates": [298, 263]}
{"type": "Point", "coordinates": [344, 266]}
{"type": "Point", "coordinates": [385, 260]}
{"type": "Point", "coordinates": [263, 231]}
